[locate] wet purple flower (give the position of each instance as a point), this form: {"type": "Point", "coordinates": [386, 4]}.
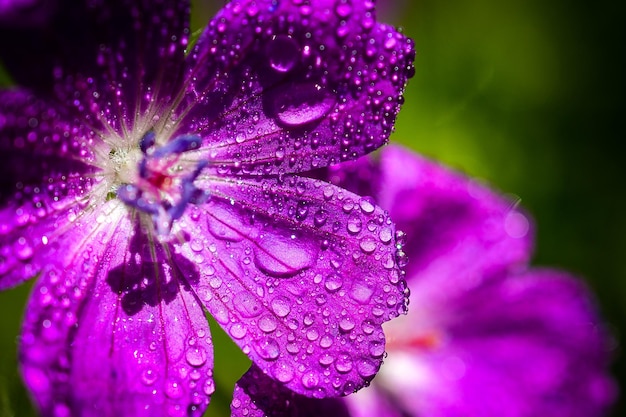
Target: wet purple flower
{"type": "Point", "coordinates": [143, 183]}
{"type": "Point", "coordinates": [486, 335]}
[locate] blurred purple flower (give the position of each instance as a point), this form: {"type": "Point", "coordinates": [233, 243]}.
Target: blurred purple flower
{"type": "Point", "coordinates": [143, 183]}
{"type": "Point", "coordinates": [486, 336]}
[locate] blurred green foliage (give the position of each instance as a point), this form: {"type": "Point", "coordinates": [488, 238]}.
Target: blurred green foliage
{"type": "Point", "coordinates": [525, 94]}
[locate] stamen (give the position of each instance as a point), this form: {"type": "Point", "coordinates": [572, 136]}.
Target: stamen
{"type": "Point", "coordinates": [162, 189]}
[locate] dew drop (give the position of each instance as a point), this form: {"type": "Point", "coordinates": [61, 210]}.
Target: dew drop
{"type": "Point", "coordinates": [281, 306]}
{"type": "Point", "coordinates": [267, 324]}
{"type": "Point", "coordinates": [368, 245]}
{"type": "Point", "coordinates": [366, 368]}
{"type": "Point", "coordinates": [300, 104]}
{"type": "Point", "coordinates": [310, 379]}
{"type": "Point", "coordinates": [283, 53]}
{"type": "Point", "coordinates": [173, 389]}
{"type": "Point", "coordinates": [346, 323]}
{"type": "Point", "coordinates": [196, 356]}
{"type": "Point", "coordinates": [282, 256]}
{"type": "Point", "coordinates": [354, 224]}
{"type": "Point", "coordinates": [268, 349]}
{"type": "Point", "coordinates": [148, 377]}
{"type": "Point", "coordinates": [238, 331]}
{"type": "Point", "coordinates": [247, 305]}
{"type": "Point", "coordinates": [283, 372]}
{"type": "Point", "coordinates": [343, 363]}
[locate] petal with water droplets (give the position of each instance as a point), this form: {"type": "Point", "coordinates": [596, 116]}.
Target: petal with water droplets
{"type": "Point", "coordinates": [310, 298]}
{"type": "Point", "coordinates": [113, 329]}
{"type": "Point", "coordinates": [287, 87]}
{"type": "Point", "coordinates": [257, 395]}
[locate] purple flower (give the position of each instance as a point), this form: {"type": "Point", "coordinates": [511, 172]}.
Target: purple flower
{"type": "Point", "coordinates": [143, 183]}
{"type": "Point", "coordinates": [486, 336]}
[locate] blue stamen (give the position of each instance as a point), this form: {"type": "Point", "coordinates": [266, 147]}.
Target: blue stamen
{"type": "Point", "coordinates": [178, 145]}
{"type": "Point", "coordinates": [147, 141]}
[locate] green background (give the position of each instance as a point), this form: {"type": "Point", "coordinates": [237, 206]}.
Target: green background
{"type": "Point", "coordinates": [525, 94]}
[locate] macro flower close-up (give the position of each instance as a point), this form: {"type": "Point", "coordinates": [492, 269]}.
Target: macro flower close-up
{"type": "Point", "coordinates": [146, 180]}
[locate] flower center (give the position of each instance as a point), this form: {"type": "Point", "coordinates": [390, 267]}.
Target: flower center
{"type": "Point", "coordinates": [164, 181]}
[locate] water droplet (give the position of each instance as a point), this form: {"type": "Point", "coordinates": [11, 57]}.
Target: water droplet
{"type": "Point", "coordinates": [283, 53]}
{"type": "Point", "coordinates": [149, 376]}
{"type": "Point", "coordinates": [174, 389]}
{"type": "Point", "coordinates": [282, 256]}
{"type": "Point", "coordinates": [196, 356]}
{"type": "Point", "coordinates": [23, 249]}
{"type": "Point", "coordinates": [343, 363]}
{"type": "Point", "coordinates": [310, 379]}
{"type": "Point", "coordinates": [238, 331]}
{"type": "Point", "coordinates": [268, 349]}
{"type": "Point", "coordinates": [267, 324]}
{"type": "Point", "coordinates": [281, 306]}
{"type": "Point", "coordinates": [320, 218]}
{"type": "Point", "coordinates": [354, 224]}
{"type": "Point", "coordinates": [377, 349]}
{"type": "Point", "coordinates": [346, 323]}
{"type": "Point", "coordinates": [326, 359]}
{"type": "Point", "coordinates": [385, 235]}
{"type": "Point", "coordinates": [366, 368]}
{"type": "Point", "coordinates": [300, 104]}
{"type": "Point", "coordinates": [248, 305]}
{"type": "Point", "coordinates": [326, 341]}
{"type": "Point", "coordinates": [368, 244]}
{"type": "Point", "coordinates": [333, 282]}
{"type": "Point", "coordinates": [283, 372]}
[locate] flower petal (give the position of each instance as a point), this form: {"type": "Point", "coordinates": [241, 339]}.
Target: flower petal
{"type": "Point", "coordinates": [458, 231]}
{"type": "Point", "coordinates": [112, 329]}
{"type": "Point", "coordinates": [45, 183]}
{"type": "Point", "coordinates": [26, 13]}
{"type": "Point", "coordinates": [257, 395]}
{"type": "Point", "coordinates": [108, 52]}
{"type": "Point", "coordinates": [287, 86]}
{"type": "Point", "coordinates": [301, 274]}
{"type": "Point", "coordinates": [528, 345]}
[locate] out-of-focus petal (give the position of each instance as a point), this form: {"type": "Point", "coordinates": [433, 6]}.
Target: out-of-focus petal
{"type": "Point", "coordinates": [530, 345]}
{"type": "Point", "coordinates": [107, 58]}
{"type": "Point", "coordinates": [257, 395]}
{"type": "Point", "coordinates": [301, 274]}
{"type": "Point", "coordinates": [458, 231]}
{"type": "Point", "coordinates": [287, 86]}
{"type": "Point", "coordinates": [112, 329]}
{"type": "Point", "coordinates": [26, 13]}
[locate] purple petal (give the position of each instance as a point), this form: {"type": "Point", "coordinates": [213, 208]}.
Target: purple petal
{"type": "Point", "coordinates": [112, 329]}
{"type": "Point", "coordinates": [257, 395]}
{"type": "Point", "coordinates": [530, 345]}
{"type": "Point", "coordinates": [102, 56]}
{"type": "Point", "coordinates": [458, 231]}
{"type": "Point", "coordinates": [26, 13]}
{"type": "Point", "coordinates": [287, 86]}
{"type": "Point", "coordinates": [45, 183]}
{"type": "Point", "coordinates": [301, 274]}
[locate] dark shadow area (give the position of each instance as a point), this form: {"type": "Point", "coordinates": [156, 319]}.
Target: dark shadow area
{"type": "Point", "coordinates": [145, 279]}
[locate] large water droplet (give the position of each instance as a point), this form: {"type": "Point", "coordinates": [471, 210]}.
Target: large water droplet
{"type": "Point", "coordinates": [281, 306]}
{"type": "Point", "coordinates": [268, 349]}
{"type": "Point", "coordinates": [283, 256]}
{"type": "Point", "coordinates": [300, 104]}
{"type": "Point", "coordinates": [267, 324]}
{"type": "Point", "coordinates": [248, 305]}
{"type": "Point", "coordinates": [283, 372]}
{"type": "Point", "coordinates": [283, 53]}
{"type": "Point", "coordinates": [310, 379]}
{"type": "Point", "coordinates": [343, 363]}
{"type": "Point", "coordinates": [196, 356]}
